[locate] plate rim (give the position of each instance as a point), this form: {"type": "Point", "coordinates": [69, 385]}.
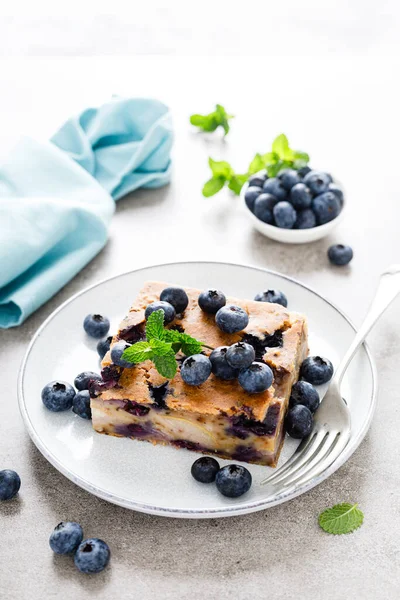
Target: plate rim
{"type": "Point", "coordinates": [226, 511]}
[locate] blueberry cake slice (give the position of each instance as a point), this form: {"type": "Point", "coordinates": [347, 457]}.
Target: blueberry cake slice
{"type": "Point", "coordinates": [217, 417]}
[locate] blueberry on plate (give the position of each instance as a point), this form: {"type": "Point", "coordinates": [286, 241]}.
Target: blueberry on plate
{"type": "Point", "coordinates": [340, 255]}
{"type": "Point", "coordinates": [300, 196]}
{"type": "Point", "coordinates": [289, 178]}
{"type": "Point", "coordinates": [317, 181]}
{"type": "Point", "coordinates": [303, 171]}
{"type": "Point", "coordinates": [205, 469]}
{"type": "Point", "coordinates": [240, 355]}
{"type": "Point", "coordinates": [10, 483]}
{"type": "Point", "coordinates": [196, 369]}
{"type": "Point", "coordinates": [251, 195]}
{"type": "Point", "coordinates": [335, 189]}
{"type": "Point", "coordinates": [81, 381]}
{"type": "Point", "coordinates": [220, 366]}
{"type": "Point", "coordinates": [96, 325]}
{"type": "Point", "coordinates": [304, 393]}
{"type": "Point", "coordinates": [233, 481]}
{"type": "Point", "coordinates": [274, 186]}
{"type": "Point", "coordinates": [256, 378]}
{"type": "Point", "coordinates": [66, 537]}
{"type": "Point", "coordinates": [326, 207]}
{"type": "Point", "coordinates": [258, 180]}
{"type": "Point", "coordinates": [316, 370]}
{"type": "Point", "coordinates": [166, 307]}
{"type": "Point", "coordinates": [58, 396]}
{"type": "Point", "coordinates": [210, 301]}
{"type": "Point", "coordinates": [175, 296]}
{"type": "Point", "coordinates": [81, 405]}
{"type": "Point", "coordinates": [284, 215]}
{"type": "Point", "coordinates": [92, 556]}
{"type": "Point", "coordinates": [299, 422]}
{"type": "Point", "coordinates": [103, 346]}
{"type": "Point", "coordinates": [306, 219]}
{"type": "Point", "coordinates": [116, 355]}
{"type": "Point", "coordinates": [275, 296]}
{"type": "Point", "coordinates": [263, 208]}
{"type": "Point", "coordinates": [231, 318]}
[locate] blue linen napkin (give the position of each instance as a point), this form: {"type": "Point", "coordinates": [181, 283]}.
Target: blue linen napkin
{"type": "Point", "coordinates": [57, 198]}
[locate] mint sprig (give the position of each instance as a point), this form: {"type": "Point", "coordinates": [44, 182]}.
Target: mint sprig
{"type": "Point", "coordinates": [218, 118]}
{"type": "Point", "coordinates": [341, 518]}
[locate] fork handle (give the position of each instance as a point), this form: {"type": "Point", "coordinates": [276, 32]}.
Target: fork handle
{"type": "Point", "coordinates": [388, 289]}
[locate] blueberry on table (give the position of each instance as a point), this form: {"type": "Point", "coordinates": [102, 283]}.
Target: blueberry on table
{"type": "Point", "coordinates": [258, 180]}
{"type": "Point", "coordinates": [316, 370]}
{"type": "Point", "coordinates": [205, 469]}
{"type": "Point", "coordinates": [81, 405]}
{"type": "Point", "coordinates": [317, 181]}
{"type": "Point", "coordinates": [326, 207]}
{"type": "Point", "coordinates": [103, 346]}
{"type": "Point", "coordinates": [240, 355]}
{"type": "Point", "coordinates": [257, 378]}
{"type": "Point", "coordinates": [305, 394]}
{"type": "Point", "coordinates": [81, 381]}
{"type": "Point", "coordinates": [96, 325]}
{"type": "Point", "coordinates": [289, 178]}
{"type": "Point", "coordinates": [166, 307]}
{"type": "Point", "coordinates": [196, 369]}
{"type": "Point", "coordinates": [284, 215]}
{"type": "Point", "coordinates": [210, 301]}
{"type": "Point", "coordinates": [66, 537]}
{"type": "Point", "coordinates": [306, 219]}
{"type": "Point", "coordinates": [300, 196]}
{"type": "Point", "coordinates": [340, 255]}
{"type": "Point", "coordinates": [10, 483]}
{"type": "Point", "coordinates": [275, 296]}
{"type": "Point", "coordinates": [175, 296]}
{"type": "Point", "coordinates": [263, 207]}
{"type": "Point", "coordinates": [116, 355]}
{"type": "Point", "coordinates": [251, 195]}
{"type": "Point", "coordinates": [220, 366]}
{"type": "Point", "coordinates": [299, 422]}
{"type": "Point", "coordinates": [335, 189]}
{"type": "Point", "coordinates": [231, 318]}
{"type": "Point", "coordinates": [304, 170]}
{"type": "Point", "coordinates": [92, 556]}
{"type": "Point", "coordinates": [274, 186]}
{"type": "Point", "coordinates": [233, 481]}
{"type": "Point", "coordinates": [58, 396]}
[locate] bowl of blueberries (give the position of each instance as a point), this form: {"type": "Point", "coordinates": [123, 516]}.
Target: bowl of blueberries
{"type": "Point", "coordinates": [296, 206]}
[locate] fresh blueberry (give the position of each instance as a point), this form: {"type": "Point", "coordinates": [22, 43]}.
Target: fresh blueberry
{"type": "Point", "coordinates": [304, 393]}
{"type": "Point", "coordinates": [326, 207]}
{"type": "Point", "coordinates": [81, 381]}
{"type": "Point", "coordinates": [233, 481]}
{"type": "Point", "coordinates": [175, 296]}
{"type": "Point", "coordinates": [335, 189]}
{"type": "Point", "coordinates": [104, 346]}
{"type": "Point", "coordinates": [304, 170]}
{"type": "Point", "coordinates": [116, 355]}
{"type": "Point", "coordinates": [289, 178]}
{"type": "Point", "coordinates": [240, 355]}
{"type": "Point", "coordinates": [316, 370]}
{"type": "Point", "coordinates": [275, 296]}
{"type": "Point", "coordinates": [205, 469]}
{"type": "Point", "coordinates": [9, 484]}
{"type": "Point", "coordinates": [66, 537]}
{"type": "Point", "coordinates": [317, 181]}
{"type": "Point", "coordinates": [210, 301]}
{"type": "Point", "coordinates": [256, 378]}
{"type": "Point", "coordinates": [274, 186]}
{"type": "Point", "coordinates": [81, 405]}
{"type": "Point", "coordinates": [219, 365]}
{"type": "Point", "coordinates": [299, 421]}
{"type": "Point", "coordinates": [258, 180]}
{"type": "Point", "coordinates": [196, 369]}
{"type": "Point", "coordinates": [251, 195]}
{"type": "Point", "coordinates": [58, 395]}
{"type": "Point", "coordinates": [92, 556]}
{"type": "Point", "coordinates": [306, 219]}
{"type": "Point", "coordinates": [300, 196]}
{"type": "Point", "coordinates": [340, 255]}
{"type": "Point", "coordinates": [96, 326]}
{"type": "Point", "coordinates": [166, 307]}
{"type": "Point", "coordinates": [284, 215]}
{"type": "Point", "coordinates": [263, 208]}
{"type": "Point", "coordinates": [231, 318]}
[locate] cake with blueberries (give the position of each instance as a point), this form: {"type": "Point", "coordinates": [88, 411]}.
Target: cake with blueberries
{"type": "Point", "coordinates": [228, 393]}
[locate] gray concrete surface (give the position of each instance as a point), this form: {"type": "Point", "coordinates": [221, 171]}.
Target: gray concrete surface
{"type": "Point", "coordinates": [350, 127]}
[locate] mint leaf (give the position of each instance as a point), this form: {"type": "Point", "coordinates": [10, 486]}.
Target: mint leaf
{"type": "Point", "coordinates": [280, 145]}
{"type": "Point", "coordinates": [190, 345]}
{"type": "Point", "coordinates": [220, 168]}
{"type": "Point", "coordinates": [342, 518]}
{"type": "Point", "coordinates": [166, 365]}
{"type": "Point", "coordinates": [223, 117]}
{"type": "Point", "coordinates": [256, 165]}
{"type": "Point", "coordinates": [236, 183]}
{"type": "Point", "coordinates": [213, 186]}
{"type": "Point", "coordinates": [138, 352]}
{"type": "Point", "coordinates": [174, 337]}
{"type": "Point", "coordinates": [218, 118]}
{"type": "Point", "coordinates": [155, 325]}
{"type": "Point", "coordinates": [303, 156]}
{"type": "Point", "coordinates": [160, 348]}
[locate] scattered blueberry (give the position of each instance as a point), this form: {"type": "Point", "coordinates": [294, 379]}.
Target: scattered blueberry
{"type": "Point", "coordinates": [210, 301]}
{"type": "Point", "coordinates": [66, 537]}
{"type": "Point", "coordinates": [231, 318]}
{"type": "Point", "coordinates": [81, 405]}
{"type": "Point", "coordinates": [258, 180]}
{"type": "Point", "coordinates": [116, 354]}
{"type": "Point", "coordinates": [326, 207]}
{"type": "Point", "coordinates": [9, 484]}
{"type": "Point", "coordinates": [96, 326]}
{"type": "Point", "coordinates": [275, 296]}
{"type": "Point", "coordinates": [263, 208]}
{"type": "Point", "coordinates": [304, 170]}
{"type": "Point", "coordinates": [299, 421]}
{"type": "Point", "coordinates": [251, 195]}
{"type": "Point", "coordinates": [300, 196]}
{"type": "Point", "coordinates": [304, 393]}
{"type": "Point", "coordinates": [196, 369]}
{"type": "Point", "coordinates": [58, 395]}
{"type": "Point", "coordinates": [233, 481]}
{"type": "Point", "coordinates": [81, 381]}
{"type": "Point", "coordinates": [340, 255]}
{"type": "Point", "coordinates": [316, 370]}
{"type": "Point", "coordinates": [284, 215]}
{"type": "Point", "coordinates": [256, 378]}
{"type": "Point", "coordinates": [92, 556]}
{"type": "Point", "coordinates": [317, 181]}
{"type": "Point", "coordinates": [306, 219]}
{"type": "Point", "coordinates": [175, 296]}
{"type": "Point", "coordinates": [104, 346]}
{"type": "Point", "coordinates": [289, 178]}
{"type": "Point", "coordinates": [240, 355]}
{"type": "Point", "coordinates": [219, 365]}
{"type": "Point", "coordinates": [205, 469]}
{"type": "Point", "coordinates": [274, 186]}
{"type": "Point", "coordinates": [335, 189]}
{"type": "Point", "coordinates": [166, 307]}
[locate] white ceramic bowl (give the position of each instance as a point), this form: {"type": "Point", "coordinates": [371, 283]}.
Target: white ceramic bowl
{"type": "Point", "coordinates": [293, 236]}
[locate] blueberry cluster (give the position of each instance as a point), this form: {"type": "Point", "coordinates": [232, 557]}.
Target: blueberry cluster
{"type": "Point", "coordinates": [90, 556]}
{"type": "Point", "coordinates": [294, 199]}
{"type": "Point", "coordinates": [59, 395]}
{"type": "Point", "coordinates": [231, 481]}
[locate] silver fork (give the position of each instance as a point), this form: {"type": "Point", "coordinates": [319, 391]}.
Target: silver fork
{"type": "Point", "coordinates": [332, 425]}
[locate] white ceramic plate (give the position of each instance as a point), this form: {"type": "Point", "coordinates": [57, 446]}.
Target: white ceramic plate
{"type": "Point", "coordinates": [157, 479]}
